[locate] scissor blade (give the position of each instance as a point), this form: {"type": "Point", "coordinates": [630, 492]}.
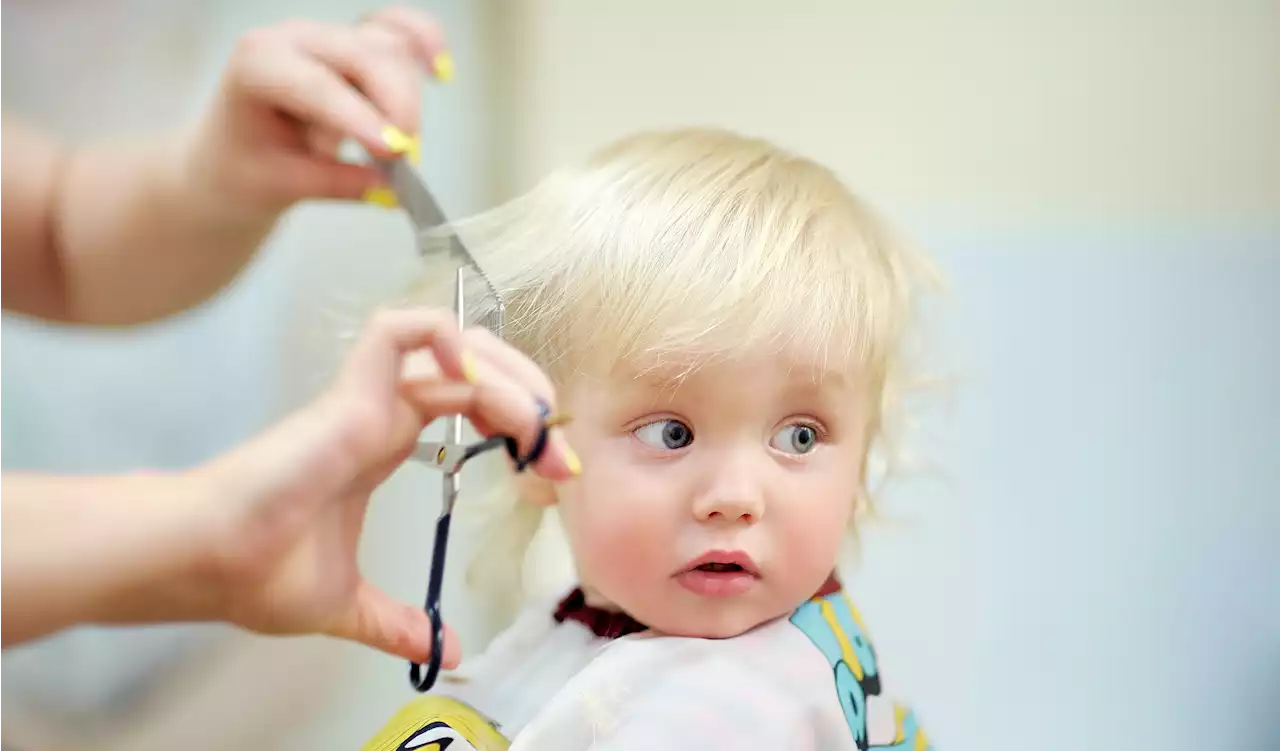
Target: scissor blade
{"type": "Point", "coordinates": [417, 201]}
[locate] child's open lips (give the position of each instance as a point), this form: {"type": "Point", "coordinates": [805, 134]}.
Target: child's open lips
{"type": "Point", "coordinates": [719, 573]}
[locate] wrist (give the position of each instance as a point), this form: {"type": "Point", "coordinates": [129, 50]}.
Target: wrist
{"type": "Point", "coordinates": [218, 199]}
{"type": "Point", "coordinates": [170, 579]}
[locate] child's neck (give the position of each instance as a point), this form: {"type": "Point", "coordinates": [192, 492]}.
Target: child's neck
{"type": "Point", "coordinates": [592, 609]}
{"type": "Point", "coordinates": [596, 600]}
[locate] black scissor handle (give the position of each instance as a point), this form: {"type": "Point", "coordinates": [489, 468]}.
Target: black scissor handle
{"type": "Point", "coordinates": [432, 607]}
{"type": "Point", "coordinates": [423, 683]}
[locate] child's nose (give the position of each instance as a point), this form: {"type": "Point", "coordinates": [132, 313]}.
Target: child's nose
{"type": "Point", "coordinates": [730, 509]}
{"type": "Point", "coordinates": [733, 495]}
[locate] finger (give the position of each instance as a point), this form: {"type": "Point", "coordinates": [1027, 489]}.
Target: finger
{"type": "Point", "coordinates": [378, 620]}
{"type": "Point", "coordinates": [510, 361]}
{"type": "Point", "coordinates": [321, 177]}
{"type": "Point", "coordinates": [377, 360]}
{"type": "Point", "coordinates": [496, 405]}
{"type": "Point", "coordinates": [424, 35]}
{"type": "Point", "coordinates": [513, 363]}
{"type": "Point", "coordinates": [392, 42]}
{"type": "Point", "coordinates": [324, 142]}
{"type": "Point", "coordinates": [271, 68]}
{"type": "Point", "coordinates": [394, 87]}
{"type": "Point", "coordinates": [435, 398]}
{"type": "Point", "coordinates": [452, 656]}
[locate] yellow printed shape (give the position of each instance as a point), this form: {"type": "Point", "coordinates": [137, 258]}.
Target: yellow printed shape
{"type": "Point", "coordinates": [846, 649]}
{"type": "Point", "coordinates": [922, 741]}
{"type": "Point", "coordinates": [857, 617]}
{"type": "Point", "coordinates": [899, 724]}
{"type": "Point", "coordinates": [418, 715]}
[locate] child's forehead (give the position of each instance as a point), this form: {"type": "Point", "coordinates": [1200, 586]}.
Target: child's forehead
{"type": "Point", "coordinates": [673, 374]}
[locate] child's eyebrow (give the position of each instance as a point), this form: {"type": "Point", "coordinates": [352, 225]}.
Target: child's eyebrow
{"type": "Point", "coordinates": [815, 379]}
{"type": "Point", "coordinates": [653, 377]}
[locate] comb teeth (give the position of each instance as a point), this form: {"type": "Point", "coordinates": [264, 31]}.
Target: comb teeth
{"type": "Point", "coordinates": [470, 261]}
{"type": "Point", "coordinates": [433, 226]}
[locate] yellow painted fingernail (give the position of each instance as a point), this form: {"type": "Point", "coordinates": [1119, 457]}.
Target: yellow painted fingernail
{"type": "Point", "coordinates": [571, 459]}
{"type": "Point", "coordinates": [469, 369]}
{"type": "Point", "coordinates": [382, 196]}
{"type": "Point", "coordinates": [442, 63]}
{"type": "Point", "coordinates": [401, 143]}
{"type": "Point", "coordinates": [557, 419]}
{"type": "Point", "coordinates": [396, 140]}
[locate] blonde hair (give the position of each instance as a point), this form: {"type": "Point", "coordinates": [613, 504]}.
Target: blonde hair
{"type": "Point", "coordinates": [683, 247]}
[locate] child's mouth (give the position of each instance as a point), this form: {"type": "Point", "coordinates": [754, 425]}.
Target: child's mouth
{"type": "Point", "coordinates": [719, 567]}
{"type": "Point", "coordinates": [719, 574]}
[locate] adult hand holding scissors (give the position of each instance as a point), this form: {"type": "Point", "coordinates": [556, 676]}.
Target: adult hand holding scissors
{"type": "Point", "coordinates": [266, 536]}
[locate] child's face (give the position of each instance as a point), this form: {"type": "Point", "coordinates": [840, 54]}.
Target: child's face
{"type": "Point", "coordinates": [753, 466]}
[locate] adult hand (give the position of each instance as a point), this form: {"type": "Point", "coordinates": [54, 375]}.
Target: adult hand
{"type": "Point", "coordinates": [292, 93]}
{"type": "Point", "coordinates": [289, 507]}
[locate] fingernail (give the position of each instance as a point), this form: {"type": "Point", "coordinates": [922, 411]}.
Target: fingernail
{"type": "Point", "coordinates": [558, 419]}
{"type": "Point", "coordinates": [571, 459]}
{"type": "Point", "coordinates": [401, 143]}
{"type": "Point", "coordinates": [469, 369]}
{"type": "Point", "coordinates": [382, 196]}
{"type": "Point", "coordinates": [442, 63]}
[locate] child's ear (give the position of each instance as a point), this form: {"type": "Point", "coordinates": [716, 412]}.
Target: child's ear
{"type": "Point", "coordinates": [535, 489]}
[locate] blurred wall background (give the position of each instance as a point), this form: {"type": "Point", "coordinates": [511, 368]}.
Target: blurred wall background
{"type": "Point", "coordinates": [176, 393]}
{"type": "Point", "coordinates": [1101, 181]}
{"type": "Point", "coordinates": [1094, 563]}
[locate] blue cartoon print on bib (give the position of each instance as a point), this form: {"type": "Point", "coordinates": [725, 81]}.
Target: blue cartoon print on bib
{"type": "Point", "coordinates": [835, 627]}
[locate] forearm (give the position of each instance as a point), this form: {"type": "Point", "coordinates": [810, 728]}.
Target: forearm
{"type": "Point", "coordinates": [116, 234]}
{"type": "Point", "coordinates": [100, 550]}
{"type": "Point", "coordinates": [140, 237]}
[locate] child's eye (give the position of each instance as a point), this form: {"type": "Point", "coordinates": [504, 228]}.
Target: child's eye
{"type": "Point", "coordinates": [796, 439]}
{"type": "Point", "coordinates": [665, 434]}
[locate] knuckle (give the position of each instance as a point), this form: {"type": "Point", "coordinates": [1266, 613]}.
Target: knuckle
{"type": "Point", "coordinates": [254, 42]}
{"type": "Point", "coordinates": [424, 21]}
{"type": "Point", "coordinates": [384, 320]}
{"type": "Point", "coordinates": [362, 431]}
{"type": "Point", "coordinates": [296, 27]}
{"type": "Point", "coordinates": [382, 316]}
{"type": "Point", "coordinates": [398, 11]}
{"type": "Point", "coordinates": [476, 335]}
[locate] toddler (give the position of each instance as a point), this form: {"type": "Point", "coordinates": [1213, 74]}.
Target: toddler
{"type": "Point", "coordinates": [724, 321]}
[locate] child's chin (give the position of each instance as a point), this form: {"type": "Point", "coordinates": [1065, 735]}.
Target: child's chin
{"type": "Point", "coordinates": [723, 625]}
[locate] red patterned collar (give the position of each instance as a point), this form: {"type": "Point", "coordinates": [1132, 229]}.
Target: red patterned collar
{"type": "Point", "coordinates": [612, 624]}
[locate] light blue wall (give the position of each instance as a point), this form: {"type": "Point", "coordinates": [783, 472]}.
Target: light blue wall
{"type": "Point", "coordinates": [1100, 568]}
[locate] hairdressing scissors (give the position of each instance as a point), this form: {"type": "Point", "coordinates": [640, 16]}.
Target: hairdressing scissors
{"type": "Point", "coordinates": [449, 455]}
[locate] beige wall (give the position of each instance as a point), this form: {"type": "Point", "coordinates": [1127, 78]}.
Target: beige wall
{"type": "Point", "coordinates": [977, 111]}
{"type": "Point", "coordinates": [1103, 458]}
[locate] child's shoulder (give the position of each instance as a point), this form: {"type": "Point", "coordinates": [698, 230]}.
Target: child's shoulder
{"type": "Point", "coordinates": [834, 629]}
{"type": "Point", "coordinates": [807, 681]}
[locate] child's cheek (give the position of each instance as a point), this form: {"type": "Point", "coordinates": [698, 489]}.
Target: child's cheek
{"type": "Point", "coordinates": [813, 532]}
{"type": "Point", "coordinates": [618, 534]}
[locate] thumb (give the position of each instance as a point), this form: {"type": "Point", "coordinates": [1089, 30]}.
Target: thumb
{"type": "Point", "coordinates": [377, 620]}
{"type": "Point", "coordinates": [316, 176]}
